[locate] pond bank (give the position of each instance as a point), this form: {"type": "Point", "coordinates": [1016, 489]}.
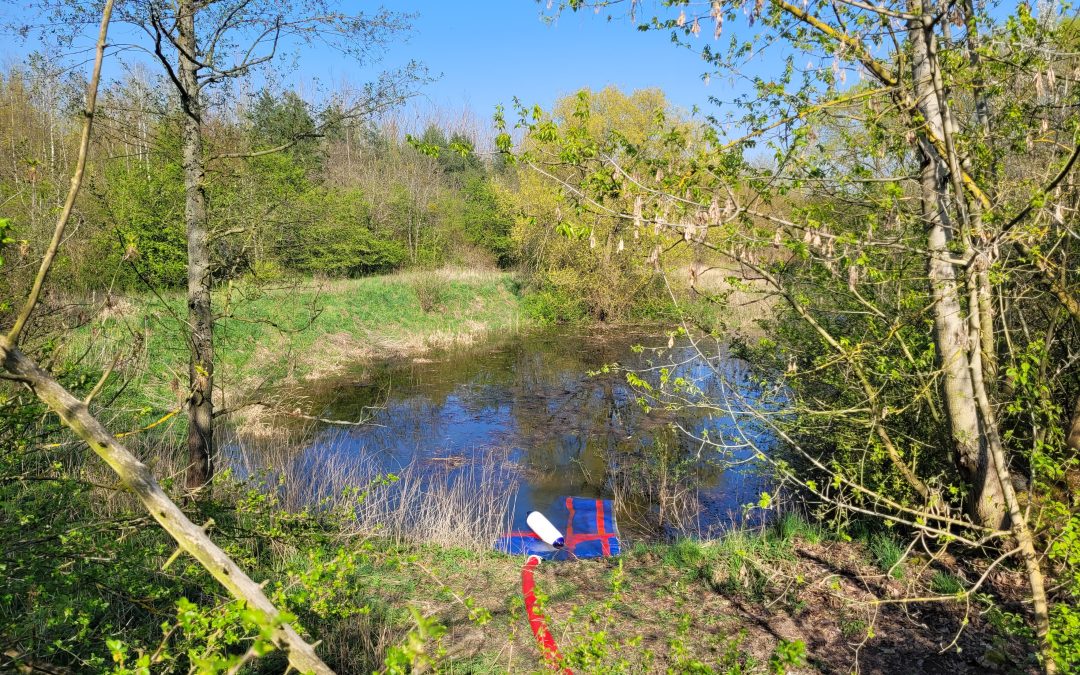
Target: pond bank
{"type": "Point", "coordinates": [786, 599]}
{"type": "Point", "coordinates": [278, 334]}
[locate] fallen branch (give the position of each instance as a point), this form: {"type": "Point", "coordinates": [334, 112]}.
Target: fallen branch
{"type": "Point", "coordinates": [137, 477]}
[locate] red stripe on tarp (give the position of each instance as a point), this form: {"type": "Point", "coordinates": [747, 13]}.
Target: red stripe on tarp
{"type": "Point", "coordinates": [578, 538]}
{"type": "Point", "coordinates": [537, 621]}
{"type": "Point", "coordinates": [569, 520]}
{"type": "Point", "coordinates": [605, 545]}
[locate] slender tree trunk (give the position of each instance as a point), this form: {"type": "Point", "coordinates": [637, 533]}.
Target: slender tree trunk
{"type": "Point", "coordinates": [973, 458]}
{"type": "Point", "coordinates": [200, 315]}
{"type": "Point", "coordinates": [1073, 439]}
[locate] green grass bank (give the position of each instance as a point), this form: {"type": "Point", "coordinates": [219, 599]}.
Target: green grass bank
{"type": "Point", "coordinates": [272, 335]}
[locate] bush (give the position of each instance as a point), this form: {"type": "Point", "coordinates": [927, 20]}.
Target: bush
{"type": "Point", "coordinates": [143, 216]}
{"type": "Point", "coordinates": [553, 305]}
{"type": "Point", "coordinates": [333, 237]}
{"type": "Point", "coordinates": [431, 291]}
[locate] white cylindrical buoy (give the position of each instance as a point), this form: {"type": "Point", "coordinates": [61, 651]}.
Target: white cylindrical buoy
{"type": "Point", "coordinates": [544, 529]}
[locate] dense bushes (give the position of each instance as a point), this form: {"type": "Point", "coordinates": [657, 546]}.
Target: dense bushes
{"type": "Point", "coordinates": [142, 223]}
{"type": "Point", "coordinates": [332, 235]}
{"type": "Point", "coordinates": [582, 264]}
{"type": "Point", "coordinates": [341, 199]}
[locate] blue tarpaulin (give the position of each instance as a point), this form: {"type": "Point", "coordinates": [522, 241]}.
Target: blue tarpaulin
{"type": "Point", "coordinates": [587, 525]}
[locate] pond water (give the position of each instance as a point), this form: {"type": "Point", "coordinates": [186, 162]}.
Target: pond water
{"type": "Point", "coordinates": [535, 403]}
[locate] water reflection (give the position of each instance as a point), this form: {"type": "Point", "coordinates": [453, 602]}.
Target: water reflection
{"type": "Point", "coordinates": [529, 399]}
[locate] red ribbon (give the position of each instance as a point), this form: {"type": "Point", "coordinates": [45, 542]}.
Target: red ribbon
{"type": "Point", "coordinates": [537, 621]}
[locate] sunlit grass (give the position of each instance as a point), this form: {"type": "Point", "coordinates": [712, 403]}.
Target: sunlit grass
{"type": "Point", "coordinates": [290, 330]}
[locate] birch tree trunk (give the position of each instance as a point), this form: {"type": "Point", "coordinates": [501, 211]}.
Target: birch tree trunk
{"type": "Point", "coordinates": [986, 502]}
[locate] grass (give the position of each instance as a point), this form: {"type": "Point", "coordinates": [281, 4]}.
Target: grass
{"type": "Point", "coordinates": [461, 510]}
{"type": "Point", "coordinates": [732, 563]}
{"type": "Point", "coordinates": [292, 331]}
{"type": "Point", "coordinates": [944, 583]}
{"type": "Point", "coordinates": [888, 555]}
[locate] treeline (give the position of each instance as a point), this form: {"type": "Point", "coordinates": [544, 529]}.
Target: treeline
{"type": "Point", "coordinates": [296, 191]}
{"type": "Point", "coordinates": [290, 190]}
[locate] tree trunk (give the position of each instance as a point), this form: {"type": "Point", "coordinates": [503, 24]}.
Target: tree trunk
{"type": "Point", "coordinates": [1073, 439]}
{"type": "Point", "coordinates": [200, 467]}
{"type": "Point", "coordinates": [972, 456]}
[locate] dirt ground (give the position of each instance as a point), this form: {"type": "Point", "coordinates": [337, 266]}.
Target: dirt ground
{"type": "Point", "coordinates": [646, 612]}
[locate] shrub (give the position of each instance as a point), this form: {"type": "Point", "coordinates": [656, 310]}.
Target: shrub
{"type": "Point", "coordinates": [550, 305]}
{"type": "Point", "coordinates": [332, 236]}
{"type": "Point", "coordinates": [431, 291]}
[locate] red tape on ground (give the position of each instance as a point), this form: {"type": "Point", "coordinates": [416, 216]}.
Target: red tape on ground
{"type": "Point", "coordinates": [537, 621]}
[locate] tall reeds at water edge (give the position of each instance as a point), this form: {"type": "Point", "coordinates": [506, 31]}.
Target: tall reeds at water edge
{"type": "Point", "coordinates": [465, 503]}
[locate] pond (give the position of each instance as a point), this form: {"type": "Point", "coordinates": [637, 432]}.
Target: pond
{"type": "Point", "coordinates": [542, 412]}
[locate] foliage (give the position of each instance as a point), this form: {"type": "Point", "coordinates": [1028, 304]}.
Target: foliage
{"type": "Point", "coordinates": [99, 589]}
{"type": "Point", "coordinates": [484, 219]}
{"type": "Point", "coordinates": [1065, 617]}
{"type": "Point", "coordinates": [331, 235]}
{"type": "Point", "coordinates": [141, 241]}
{"type": "Point", "coordinates": [342, 198]}
{"type": "Point", "coordinates": [788, 655]}
{"type": "Point", "coordinates": [945, 583]}
{"type": "Point", "coordinates": [284, 119]}
{"type": "Point", "coordinates": [586, 264]}
{"type": "Point", "coordinates": [888, 216]}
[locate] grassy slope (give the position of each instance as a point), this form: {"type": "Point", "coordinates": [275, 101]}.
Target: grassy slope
{"type": "Point", "coordinates": [294, 331]}
{"type": "Point", "coordinates": [716, 607]}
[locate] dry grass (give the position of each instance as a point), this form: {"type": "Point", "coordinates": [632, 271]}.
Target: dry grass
{"type": "Point", "coordinates": [457, 504]}
{"type": "Point", "coordinates": [461, 274]}
{"type": "Point", "coordinates": [653, 499]}
{"type": "Point", "coordinates": [747, 298]}
{"type": "Point", "coordinates": [467, 508]}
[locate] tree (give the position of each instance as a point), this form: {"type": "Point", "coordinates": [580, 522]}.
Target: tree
{"type": "Point", "coordinates": [602, 266]}
{"type": "Point", "coordinates": [914, 246]}
{"type": "Point", "coordinates": [133, 473]}
{"type": "Point", "coordinates": [277, 121]}
{"type": "Point", "coordinates": [201, 46]}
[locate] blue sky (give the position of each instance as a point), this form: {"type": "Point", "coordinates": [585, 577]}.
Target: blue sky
{"type": "Point", "coordinates": [485, 52]}
{"type": "Point", "coordinates": [493, 50]}
{"type": "Point", "coordinates": [488, 51]}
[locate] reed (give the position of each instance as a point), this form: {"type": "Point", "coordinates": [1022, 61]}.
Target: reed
{"type": "Point", "coordinates": [463, 505]}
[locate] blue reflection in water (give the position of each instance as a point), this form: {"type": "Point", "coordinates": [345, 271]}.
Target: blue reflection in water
{"type": "Point", "coordinates": [529, 400]}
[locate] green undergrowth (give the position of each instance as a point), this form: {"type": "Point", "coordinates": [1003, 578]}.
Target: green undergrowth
{"type": "Point", "coordinates": [735, 562]}
{"type": "Point", "coordinates": [102, 588]}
